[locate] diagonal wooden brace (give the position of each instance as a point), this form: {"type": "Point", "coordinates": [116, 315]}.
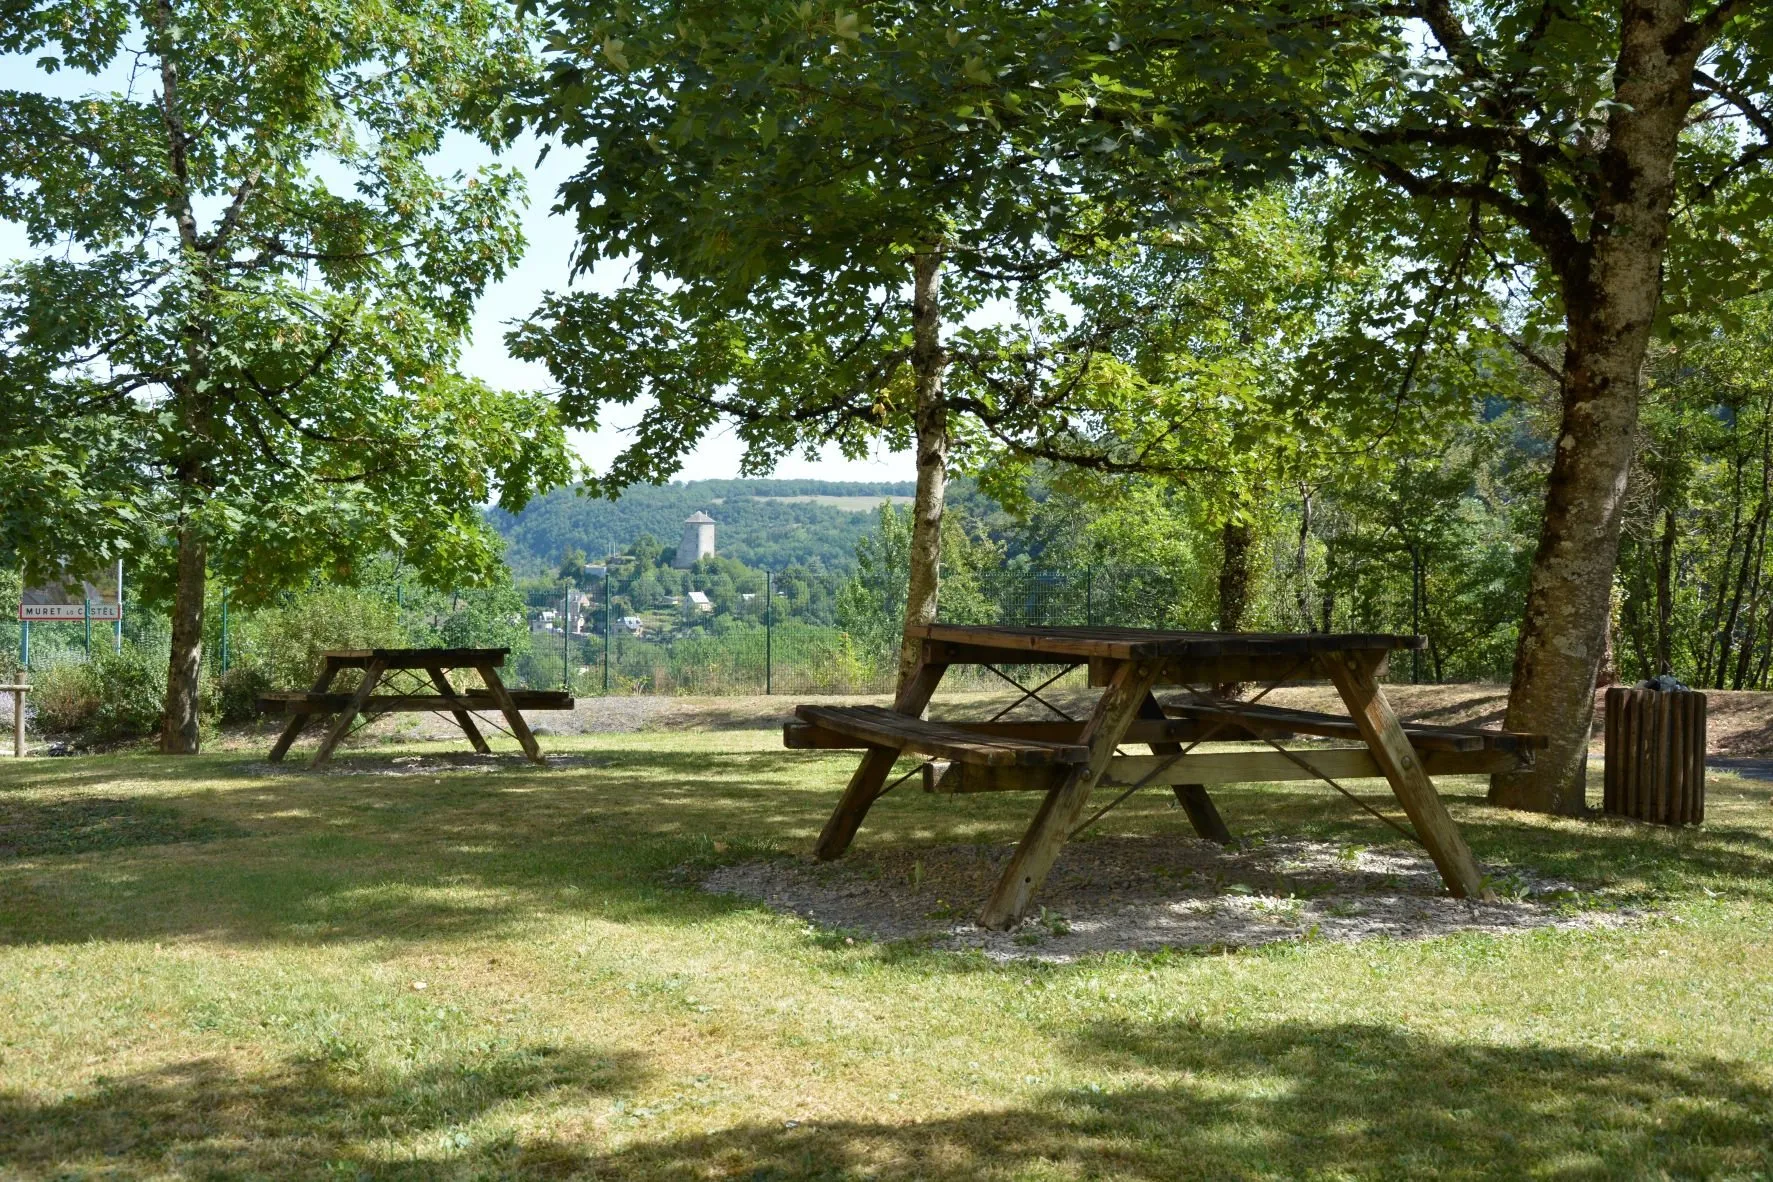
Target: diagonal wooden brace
{"type": "Point", "coordinates": [372, 673]}
{"type": "Point", "coordinates": [1128, 687]}
{"type": "Point", "coordinates": [1358, 683]}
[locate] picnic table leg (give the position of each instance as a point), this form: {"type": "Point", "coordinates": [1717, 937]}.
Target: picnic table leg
{"type": "Point", "coordinates": [372, 673]}
{"type": "Point", "coordinates": [293, 728]}
{"type": "Point", "coordinates": [1356, 681]}
{"type": "Point", "coordinates": [463, 718]}
{"type": "Point", "coordinates": [502, 696]}
{"type": "Point", "coordinates": [1193, 798]}
{"type": "Point", "coordinates": [1059, 812]}
{"type": "Point", "coordinates": [869, 779]}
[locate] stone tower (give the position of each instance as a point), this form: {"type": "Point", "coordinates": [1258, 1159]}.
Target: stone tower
{"type": "Point", "coordinates": [697, 542]}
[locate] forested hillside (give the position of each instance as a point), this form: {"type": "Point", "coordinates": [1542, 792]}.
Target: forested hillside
{"type": "Point", "coordinates": [762, 533]}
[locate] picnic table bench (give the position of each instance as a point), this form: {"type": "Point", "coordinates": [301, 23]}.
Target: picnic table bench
{"type": "Point", "coordinates": [379, 664]}
{"type": "Point", "coordinates": [1066, 759]}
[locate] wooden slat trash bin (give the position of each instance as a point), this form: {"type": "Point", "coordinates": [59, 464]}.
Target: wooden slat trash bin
{"type": "Point", "coordinates": [1655, 768]}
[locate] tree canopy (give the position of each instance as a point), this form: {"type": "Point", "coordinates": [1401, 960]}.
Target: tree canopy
{"type": "Point", "coordinates": [236, 346]}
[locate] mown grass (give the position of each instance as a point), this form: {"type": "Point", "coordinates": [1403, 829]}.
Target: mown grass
{"type": "Point", "coordinates": [210, 971]}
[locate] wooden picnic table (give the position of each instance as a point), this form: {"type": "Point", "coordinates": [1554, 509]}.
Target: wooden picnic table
{"type": "Point", "coordinates": [379, 664]}
{"type": "Point", "coordinates": [1067, 759]}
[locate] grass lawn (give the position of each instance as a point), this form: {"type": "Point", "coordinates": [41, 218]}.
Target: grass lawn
{"type": "Point", "coordinates": [206, 971]}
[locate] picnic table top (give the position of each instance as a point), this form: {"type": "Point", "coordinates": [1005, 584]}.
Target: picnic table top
{"type": "Point", "coordinates": [1147, 643]}
{"type": "Point", "coordinates": [418, 658]}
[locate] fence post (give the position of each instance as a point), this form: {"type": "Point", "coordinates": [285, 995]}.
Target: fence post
{"type": "Point", "coordinates": [566, 636]}
{"type": "Point", "coordinates": [1090, 597]}
{"type": "Point", "coordinates": [117, 628]}
{"type": "Point", "coordinates": [606, 624]}
{"type": "Point", "coordinates": [769, 631]}
{"type": "Point", "coordinates": [224, 631]}
{"type": "Point", "coordinates": [86, 608]}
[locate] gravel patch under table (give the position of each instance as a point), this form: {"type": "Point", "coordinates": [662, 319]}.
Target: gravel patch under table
{"type": "Point", "coordinates": [1145, 894]}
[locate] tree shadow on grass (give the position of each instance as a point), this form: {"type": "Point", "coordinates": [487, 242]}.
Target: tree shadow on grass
{"type": "Point", "coordinates": [428, 856]}
{"type": "Point", "coordinates": [318, 858]}
{"type": "Point", "coordinates": [1286, 1102]}
{"type": "Point", "coordinates": [90, 824]}
{"type": "Point", "coordinates": [202, 1118]}
{"type": "Point", "coordinates": [313, 858]}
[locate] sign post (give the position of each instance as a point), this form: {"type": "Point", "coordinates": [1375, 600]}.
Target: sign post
{"type": "Point", "coordinates": [73, 598]}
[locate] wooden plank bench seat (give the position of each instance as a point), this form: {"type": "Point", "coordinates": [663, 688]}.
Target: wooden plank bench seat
{"type": "Point", "coordinates": [314, 702]}
{"type": "Point", "coordinates": [807, 736]}
{"type": "Point", "coordinates": [1259, 718]}
{"type": "Point", "coordinates": [877, 726]}
{"type": "Point", "coordinates": [966, 761]}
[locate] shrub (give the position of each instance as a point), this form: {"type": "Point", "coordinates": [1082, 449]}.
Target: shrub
{"type": "Point", "coordinates": [116, 695]}
{"type": "Point", "coordinates": [65, 697]}
{"type": "Point", "coordinates": [237, 692]}
{"type": "Point", "coordinates": [285, 643]}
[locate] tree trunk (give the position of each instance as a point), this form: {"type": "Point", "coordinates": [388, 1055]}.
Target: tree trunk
{"type": "Point", "coordinates": [1415, 613]}
{"type": "Point", "coordinates": [1665, 593]}
{"type": "Point", "coordinates": [1714, 622]}
{"type": "Point", "coordinates": [1758, 542]}
{"type": "Point", "coordinates": [1727, 625]}
{"type": "Point", "coordinates": [178, 732]}
{"type": "Point", "coordinates": [1234, 575]}
{"type": "Point", "coordinates": [927, 364]}
{"type": "Point", "coordinates": [1301, 567]}
{"type": "Point", "coordinates": [1607, 672]}
{"type": "Point", "coordinates": [1611, 284]}
{"type": "Point", "coordinates": [1234, 588]}
{"type": "Point", "coordinates": [1329, 597]}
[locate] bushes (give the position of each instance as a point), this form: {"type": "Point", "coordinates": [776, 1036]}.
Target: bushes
{"type": "Point", "coordinates": [122, 695]}
{"type": "Point", "coordinates": [237, 693]}
{"type": "Point", "coordinates": [65, 697]}
{"type": "Point", "coordinates": [114, 696]}
{"type": "Point", "coordinates": [284, 643]}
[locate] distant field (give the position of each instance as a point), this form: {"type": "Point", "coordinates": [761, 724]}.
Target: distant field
{"type": "Point", "coordinates": [847, 504]}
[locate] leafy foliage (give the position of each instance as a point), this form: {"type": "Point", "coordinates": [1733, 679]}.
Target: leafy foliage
{"type": "Point", "coordinates": [871, 604]}
{"type": "Point", "coordinates": [115, 696]}
{"type": "Point", "coordinates": [241, 328]}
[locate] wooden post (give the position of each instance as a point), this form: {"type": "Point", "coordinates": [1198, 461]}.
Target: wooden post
{"type": "Point", "coordinates": [1356, 681]}
{"type": "Point", "coordinates": [870, 775]}
{"type": "Point", "coordinates": [18, 717]}
{"type": "Point", "coordinates": [1193, 798]}
{"type": "Point", "coordinates": [328, 670]}
{"type": "Point", "coordinates": [463, 719]}
{"type": "Point", "coordinates": [372, 673]}
{"type": "Point", "coordinates": [1039, 848]}
{"type": "Point", "coordinates": [502, 696]}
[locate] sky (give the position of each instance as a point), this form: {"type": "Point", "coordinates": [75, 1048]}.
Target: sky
{"type": "Point", "coordinates": [544, 267]}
